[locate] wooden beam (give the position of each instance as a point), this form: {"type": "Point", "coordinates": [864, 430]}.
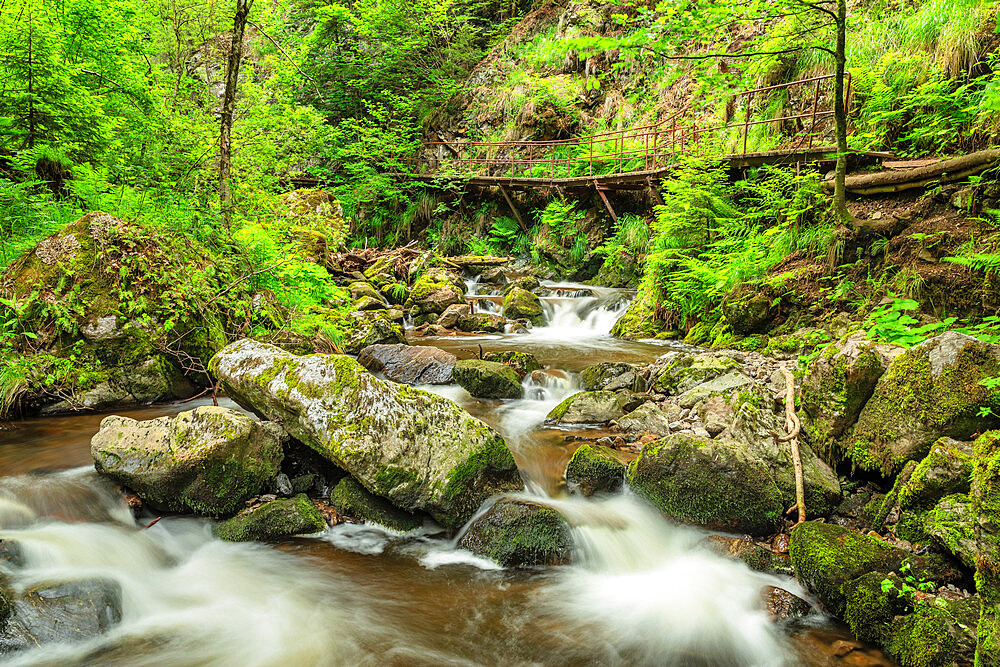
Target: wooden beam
{"type": "Point", "coordinates": [607, 204]}
{"type": "Point", "coordinates": [510, 202]}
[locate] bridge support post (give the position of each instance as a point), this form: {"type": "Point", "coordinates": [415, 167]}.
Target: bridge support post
{"type": "Point", "coordinates": [607, 203]}
{"type": "Point", "coordinates": [513, 209]}
{"type": "Point", "coordinates": [654, 194]}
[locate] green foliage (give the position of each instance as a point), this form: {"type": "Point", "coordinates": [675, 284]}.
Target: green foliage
{"type": "Point", "coordinates": [893, 324]}
{"type": "Point", "coordinates": [909, 587]}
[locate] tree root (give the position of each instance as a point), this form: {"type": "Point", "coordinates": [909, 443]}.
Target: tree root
{"type": "Point", "coordinates": [794, 426]}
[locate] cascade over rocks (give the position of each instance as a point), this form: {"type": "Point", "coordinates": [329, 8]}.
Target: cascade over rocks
{"type": "Point", "coordinates": [207, 460]}
{"type": "Point", "coordinates": [929, 391]}
{"type": "Point", "coordinates": [418, 450]}
{"type": "Point", "coordinates": [520, 533]}
{"type": "Point", "coordinates": [409, 364]}
{"type": "Point", "coordinates": [435, 290]}
{"type": "Point", "coordinates": [67, 612]}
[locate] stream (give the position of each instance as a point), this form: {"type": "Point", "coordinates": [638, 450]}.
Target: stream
{"type": "Point", "coordinates": [640, 591]}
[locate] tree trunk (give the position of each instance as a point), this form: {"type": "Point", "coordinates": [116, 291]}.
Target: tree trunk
{"type": "Point", "coordinates": [840, 115]}
{"type": "Point", "coordinates": [228, 106]}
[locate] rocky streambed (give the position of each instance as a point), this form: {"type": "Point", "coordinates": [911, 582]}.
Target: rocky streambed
{"type": "Point", "coordinates": [514, 487]}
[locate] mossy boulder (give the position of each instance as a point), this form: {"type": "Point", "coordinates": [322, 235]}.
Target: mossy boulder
{"type": "Point", "coordinates": [724, 385]}
{"type": "Point", "coordinates": [452, 314]}
{"type": "Point", "coordinates": [750, 308]}
{"type": "Point", "coordinates": [435, 290]}
{"type": "Point", "coordinates": [752, 421]}
{"type": "Point", "coordinates": [715, 484]}
{"type": "Point", "coordinates": [986, 504]}
{"type": "Point", "coordinates": [487, 379]}
{"type": "Point", "coordinates": [594, 469]}
{"type": "Point", "coordinates": [529, 283]}
{"type": "Point", "coordinates": [273, 520]}
{"type": "Point", "coordinates": [520, 533]}
{"type": "Point", "coordinates": [647, 418]}
{"type": "Point", "coordinates": [207, 460]}
{"type": "Point", "coordinates": [587, 407]}
{"type": "Point", "coordinates": [409, 364]}
{"type": "Point", "coordinates": [686, 371]}
{"type": "Point", "coordinates": [352, 499]}
{"type": "Point", "coordinates": [952, 524]}
{"type": "Point", "coordinates": [360, 290]}
{"type": "Point", "coordinates": [522, 362]}
{"type": "Point", "coordinates": [597, 376]}
{"type": "Point", "coordinates": [936, 634]}
{"type": "Point", "coordinates": [827, 556]}
{"type": "Point", "coordinates": [869, 609]}
{"type": "Point", "coordinates": [642, 319]}
{"type": "Point", "coordinates": [836, 386]}
{"type": "Point", "coordinates": [418, 450]}
{"type": "Point", "coordinates": [371, 327]}
{"type": "Point", "coordinates": [522, 304]}
{"type": "Point", "coordinates": [947, 469]}
{"type": "Point", "coordinates": [931, 390]}
{"type": "Point", "coordinates": [486, 322]}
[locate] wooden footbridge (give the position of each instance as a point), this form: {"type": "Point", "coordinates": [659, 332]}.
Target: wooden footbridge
{"type": "Point", "coordinates": [637, 158]}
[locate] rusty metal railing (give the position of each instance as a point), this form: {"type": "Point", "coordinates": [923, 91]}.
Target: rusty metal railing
{"type": "Point", "coordinates": [645, 148]}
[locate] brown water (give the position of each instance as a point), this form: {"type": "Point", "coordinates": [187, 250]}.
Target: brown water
{"type": "Point", "coordinates": [640, 592]}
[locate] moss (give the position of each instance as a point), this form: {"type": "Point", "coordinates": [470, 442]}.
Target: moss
{"type": "Point", "coordinates": [487, 379]}
{"type": "Point", "coordinates": [986, 503]}
{"type": "Point", "coordinates": [710, 483]}
{"type": "Point", "coordinates": [593, 469]}
{"type": "Point", "coordinates": [687, 371]}
{"type": "Point", "coordinates": [868, 610]}
{"type": "Point", "coordinates": [934, 635]}
{"type": "Point", "coordinates": [826, 557]}
{"type": "Point", "coordinates": [800, 342]}
{"type": "Point", "coordinates": [911, 408]}
{"type": "Point", "coordinates": [482, 470]}
{"type": "Point", "coordinates": [522, 362]}
{"type": "Point", "coordinates": [597, 376]}
{"type": "Point", "coordinates": [749, 308]}
{"type": "Point", "coordinates": [517, 533]}
{"type": "Point", "coordinates": [951, 523]}
{"type": "Point", "coordinates": [522, 304]}
{"type": "Point", "coordinates": [354, 500]}
{"type": "Point", "coordinates": [910, 527]}
{"type": "Point", "coordinates": [272, 521]}
{"type": "Point", "coordinates": [641, 319]}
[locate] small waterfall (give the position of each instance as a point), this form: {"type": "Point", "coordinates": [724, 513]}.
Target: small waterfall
{"type": "Point", "coordinates": [580, 317]}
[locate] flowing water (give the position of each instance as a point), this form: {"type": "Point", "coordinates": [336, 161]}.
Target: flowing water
{"type": "Point", "coordinates": [640, 591]}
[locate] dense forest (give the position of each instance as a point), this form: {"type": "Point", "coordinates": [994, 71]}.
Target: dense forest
{"type": "Point", "coordinates": [647, 263]}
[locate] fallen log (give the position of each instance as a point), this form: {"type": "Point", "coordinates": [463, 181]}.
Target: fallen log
{"type": "Point", "coordinates": [946, 171]}
{"type": "Point", "coordinates": [479, 260]}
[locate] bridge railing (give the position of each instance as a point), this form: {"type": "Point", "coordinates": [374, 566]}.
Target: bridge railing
{"type": "Point", "coordinates": [645, 148]}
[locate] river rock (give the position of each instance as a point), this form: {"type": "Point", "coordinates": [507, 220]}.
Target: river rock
{"type": "Point", "coordinates": [493, 275]}
{"type": "Point", "coordinates": [528, 283]}
{"type": "Point", "coordinates": [60, 613]}
{"type": "Point", "coordinates": [836, 387]}
{"type": "Point", "coordinates": [368, 303]}
{"type": "Point", "coordinates": [409, 364]}
{"type": "Point", "coordinates": [781, 605]}
{"type": "Point", "coordinates": [648, 417]}
{"type": "Point", "coordinates": [686, 371]}
{"type": "Point", "coordinates": [594, 469]}
{"type": "Point", "coordinates": [753, 555]}
{"type": "Point", "coordinates": [488, 322]}
{"type": "Point", "coordinates": [207, 460]}
{"type": "Point", "coordinates": [487, 379]}
{"type": "Point", "coordinates": [520, 533]}
{"type": "Point", "coordinates": [418, 450]}
{"type": "Point", "coordinates": [952, 524]}
{"type": "Point", "coordinates": [587, 407]}
{"type": "Point", "coordinates": [939, 632]}
{"type": "Point", "coordinates": [452, 314]}
{"type": "Point", "coordinates": [929, 391]}
{"type": "Point", "coordinates": [522, 304]}
{"type": "Point", "coordinates": [435, 290]}
{"type": "Point", "coordinates": [724, 384]}
{"type": "Point", "coordinates": [522, 362]}
{"type": "Point", "coordinates": [716, 484]}
{"type": "Point", "coordinates": [360, 290]}
{"type": "Point", "coordinates": [353, 500]}
{"type": "Point", "coordinates": [371, 327]}
{"type": "Point", "coordinates": [273, 520]}
{"type": "Point", "coordinates": [597, 376]}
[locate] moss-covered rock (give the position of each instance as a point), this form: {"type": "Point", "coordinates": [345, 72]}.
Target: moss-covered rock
{"type": "Point", "coordinates": [371, 327]}
{"type": "Point", "coordinates": [594, 469]}
{"type": "Point", "coordinates": [648, 418]}
{"type": "Point", "coordinates": [947, 469]}
{"type": "Point", "coordinates": [836, 386]}
{"type": "Point", "coordinates": [360, 290]}
{"type": "Point", "coordinates": [488, 322]}
{"type": "Point", "coordinates": [273, 520]}
{"type": "Point", "coordinates": [519, 533]}
{"type": "Point", "coordinates": [724, 385]}
{"type": "Point", "coordinates": [521, 304]}
{"type": "Point", "coordinates": [869, 610]}
{"type": "Point", "coordinates": [936, 634]}
{"type": "Point", "coordinates": [522, 362]}
{"type": "Point", "coordinates": [986, 504]}
{"type": "Point", "coordinates": [952, 525]}
{"type": "Point", "coordinates": [418, 450]}
{"type": "Point", "coordinates": [827, 556]}
{"type": "Point", "coordinates": [207, 460]}
{"type": "Point", "coordinates": [352, 499]}
{"type": "Point", "coordinates": [487, 379]}
{"type": "Point", "coordinates": [716, 484]}
{"type": "Point", "coordinates": [642, 320]}
{"type": "Point", "coordinates": [930, 391]}
{"type": "Point", "coordinates": [587, 407]}
{"type": "Point", "coordinates": [750, 308]}
{"type": "Point", "coordinates": [686, 371]}
{"type": "Point", "coordinates": [597, 376]}
{"type": "Point", "coordinates": [435, 290]}
{"type": "Point", "coordinates": [409, 364]}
